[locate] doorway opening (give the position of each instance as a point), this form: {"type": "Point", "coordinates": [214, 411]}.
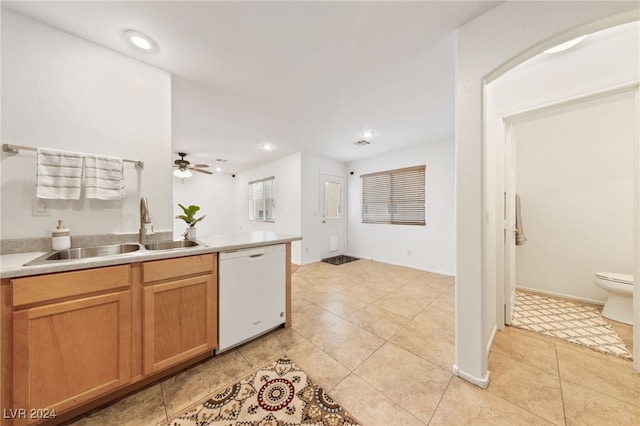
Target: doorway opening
{"type": "Point", "coordinates": [504, 126]}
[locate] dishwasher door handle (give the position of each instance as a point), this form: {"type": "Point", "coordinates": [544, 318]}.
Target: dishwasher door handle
{"type": "Point", "coordinates": [253, 256]}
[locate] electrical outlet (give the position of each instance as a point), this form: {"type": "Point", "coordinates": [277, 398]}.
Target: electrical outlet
{"type": "Point", "coordinates": [409, 252]}
{"type": "Point", "coordinates": [40, 207]}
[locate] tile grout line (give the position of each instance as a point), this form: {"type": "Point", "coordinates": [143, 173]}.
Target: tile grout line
{"type": "Point", "coordinates": [385, 340]}
{"type": "Point", "coordinates": [385, 395]}
{"type": "Point", "coordinates": [564, 410]}
{"type": "Point", "coordinates": [382, 391]}
{"type": "Point", "coordinates": [440, 400]}
{"type": "Point", "coordinates": [164, 404]}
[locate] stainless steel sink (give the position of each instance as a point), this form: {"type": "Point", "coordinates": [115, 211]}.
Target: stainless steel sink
{"type": "Point", "coordinates": [84, 253]}
{"type": "Point", "coordinates": [103, 251]}
{"type": "Point", "coordinates": [166, 245]}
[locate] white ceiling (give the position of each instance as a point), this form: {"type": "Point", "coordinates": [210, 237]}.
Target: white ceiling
{"type": "Point", "coordinates": [305, 76]}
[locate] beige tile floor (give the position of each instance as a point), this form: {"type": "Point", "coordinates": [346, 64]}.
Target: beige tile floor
{"type": "Point", "coordinates": [380, 339]}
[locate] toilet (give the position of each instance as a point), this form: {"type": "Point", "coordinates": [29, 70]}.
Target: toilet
{"type": "Point", "coordinates": [619, 304]}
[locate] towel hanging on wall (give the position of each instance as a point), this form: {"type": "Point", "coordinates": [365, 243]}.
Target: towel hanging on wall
{"type": "Point", "coordinates": [103, 177]}
{"type": "Point", "coordinates": [58, 174]}
{"type": "Point", "coordinates": [521, 238]}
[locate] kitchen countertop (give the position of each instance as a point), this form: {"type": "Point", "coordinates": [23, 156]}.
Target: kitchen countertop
{"type": "Point", "coordinates": [12, 265]}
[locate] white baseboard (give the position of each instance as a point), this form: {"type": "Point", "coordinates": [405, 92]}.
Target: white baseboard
{"type": "Point", "coordinates": [309, 262]}
{"type": "Point", "coordinates": [493, 336]}
{"type": "Point", "coordinates": [481, 382]}
{"type": "Point", "coordinates": [434, 271]}
{"type": "Point", "coordinates": [564, 296]}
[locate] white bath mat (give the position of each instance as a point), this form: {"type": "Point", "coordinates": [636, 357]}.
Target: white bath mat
{"type": "Point", "coordinates": [569, 321]}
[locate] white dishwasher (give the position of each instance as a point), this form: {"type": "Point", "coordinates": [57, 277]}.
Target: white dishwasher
{"type": "Point", "coordinates": [251, 293]}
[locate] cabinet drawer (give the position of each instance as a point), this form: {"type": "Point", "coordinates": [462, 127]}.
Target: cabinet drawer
{"type": "Point", "coordinates": [158, 270]}
{"type": "Point", "coordinates": [48, 287]}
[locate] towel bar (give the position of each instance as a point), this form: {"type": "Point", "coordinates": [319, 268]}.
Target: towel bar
{"type": "Point", "coordinates": [15, 149]}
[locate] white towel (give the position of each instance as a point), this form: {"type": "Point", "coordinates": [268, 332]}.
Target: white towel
{"type": "Point", "coordinates": [103, 177]}
{"type": "Point", "coordinates": [521, 238]}
{"type": "Point", "coordinates": [59, 174]}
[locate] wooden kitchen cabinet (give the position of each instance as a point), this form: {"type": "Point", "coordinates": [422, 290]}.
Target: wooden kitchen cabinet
{"type": "Point", "coordinates": [70, 344]}
{"type": "Point", "coordinates": [179, 299]}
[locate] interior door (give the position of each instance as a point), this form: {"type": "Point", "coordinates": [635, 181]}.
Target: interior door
{"type": "Point", "coordinates": [509, 228]}
{"type": "Point", "coordinates": [332, 215]}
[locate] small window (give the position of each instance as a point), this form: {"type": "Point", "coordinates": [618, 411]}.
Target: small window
{"type": "Point", "coordinates": [262, 200]}
{"type": "Point", "coordinates": [332, 195]}
{"type": "Point", "coordinates": [395, 197]}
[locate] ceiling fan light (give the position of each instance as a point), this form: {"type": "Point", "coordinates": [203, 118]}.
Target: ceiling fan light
{"type": "Point", "coordinates": [182, 173]}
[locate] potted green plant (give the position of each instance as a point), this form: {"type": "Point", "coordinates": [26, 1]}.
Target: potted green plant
{"type": "Point", "coordinates": [190, 219]}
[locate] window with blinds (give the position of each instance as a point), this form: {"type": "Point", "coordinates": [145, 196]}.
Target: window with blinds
{"type": "Point", "coordinates": [262, 200]}
{"type": "Point", "coordinates": [394, 197]}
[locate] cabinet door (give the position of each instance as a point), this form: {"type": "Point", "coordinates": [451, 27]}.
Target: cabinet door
{"type": "Point", "coordinates": [179, 321]}
{"type": "Point", "coordinates": [69, 352]}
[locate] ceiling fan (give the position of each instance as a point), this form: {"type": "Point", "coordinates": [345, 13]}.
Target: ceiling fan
{"type": "Point", "coordinates": [184, 167]}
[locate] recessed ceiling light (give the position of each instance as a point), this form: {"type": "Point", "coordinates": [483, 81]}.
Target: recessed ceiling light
{"type": "Point", "coordinates": [367, 134]}
{"type": "Point", "coordinates": [268, 147]}
{"type": "Point", "coordinates": [566, 45]}
{"type": "Point", "coordinates": [141, 41]}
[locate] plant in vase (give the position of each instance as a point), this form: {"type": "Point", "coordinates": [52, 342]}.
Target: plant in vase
{"type": "Point", "coordinates": [190, 219]}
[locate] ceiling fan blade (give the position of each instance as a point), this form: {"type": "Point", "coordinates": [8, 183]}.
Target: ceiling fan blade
{"type": "Point", "coordinates": [200, 170]}
{"type": "Point", "coordinates": [200, 165]}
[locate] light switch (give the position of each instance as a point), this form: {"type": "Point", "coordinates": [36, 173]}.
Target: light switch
{"type": "Point", "coordinates": [40, 207]}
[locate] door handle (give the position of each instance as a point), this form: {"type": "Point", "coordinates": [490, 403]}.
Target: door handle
{"type": "Point", "coordinates": [256, 255]}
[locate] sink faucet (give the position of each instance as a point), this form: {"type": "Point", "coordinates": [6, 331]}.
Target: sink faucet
{"type": "Point", "coordinates": [146, 227]}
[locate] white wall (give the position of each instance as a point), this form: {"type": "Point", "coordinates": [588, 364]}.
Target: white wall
{"type": "Point", "coordinates": [487, 47]}
{"type": "Point", "coordinates": [288, 178]}
{"type": "Point", "coordinates": [574, 174]}
{"type": "Point", "coordinates": [432, 246]}
{"type": "Point", "coordinates": [59, 91]}
{"type": "Point", "coordinates": [312, 167]}
{"type": "Point", "coordinates": [215, 194]}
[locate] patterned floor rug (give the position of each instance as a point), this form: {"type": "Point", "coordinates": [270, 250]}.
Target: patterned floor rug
{"type": "Point", "coordinates": [277, 394]}
{"type": "Point", "coordinates": [339, 260]}
{"type": "Point", "coordinates": [569, 321]}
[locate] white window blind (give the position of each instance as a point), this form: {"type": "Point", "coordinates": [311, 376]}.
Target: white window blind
{"type": "Point", "coordinates": [394, 197]}
{"type": "Point", "coordinates": [262, 200]}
